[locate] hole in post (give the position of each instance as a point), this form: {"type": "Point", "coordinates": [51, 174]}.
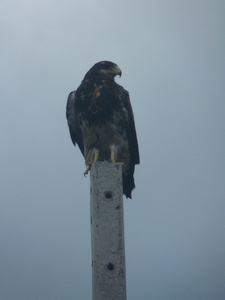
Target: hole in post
{"type": "Point", "coordinates": [110, 266]}
{"type": "Point", "coordinates": [108, 194]}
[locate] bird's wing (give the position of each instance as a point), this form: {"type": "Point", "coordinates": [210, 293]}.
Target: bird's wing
{"type": "Point", "coordinates": [71, 115]}
{"type": "Point", "coordinates": [130, 124]}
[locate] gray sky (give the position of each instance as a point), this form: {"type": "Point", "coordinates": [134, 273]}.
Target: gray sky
{"type": "Point", "coordinates": [172, 57]}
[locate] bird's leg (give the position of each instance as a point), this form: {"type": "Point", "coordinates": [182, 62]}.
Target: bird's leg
{"type": "Point", "coordinates": [112, 157]}
{"type": "Point", "coordinates": [113, 153]}
{"type": "Point", "coordinates": [96, 155]}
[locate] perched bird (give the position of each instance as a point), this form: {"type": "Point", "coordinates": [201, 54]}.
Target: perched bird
{"type": "Point", "coordinates": [101, 121]}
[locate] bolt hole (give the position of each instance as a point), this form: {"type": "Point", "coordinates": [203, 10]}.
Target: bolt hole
{"type": "Point", "coordinates": [108, 195]}
{"type": "Point", "coordinates": [110, 266]}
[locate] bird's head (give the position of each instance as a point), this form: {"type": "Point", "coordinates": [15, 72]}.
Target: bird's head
{"type": "Point", "coordinates": [103, 69]}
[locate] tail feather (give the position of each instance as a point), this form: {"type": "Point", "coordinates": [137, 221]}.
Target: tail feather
{"type": "Point", "coordinates": [128, 186]}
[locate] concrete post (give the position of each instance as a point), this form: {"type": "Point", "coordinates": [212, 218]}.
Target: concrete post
{"type": "Point", "coordinates": [107, 232]}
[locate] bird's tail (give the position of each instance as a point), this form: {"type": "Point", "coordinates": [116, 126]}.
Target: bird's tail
{"type": "Point", "coordinates": [128, 185]}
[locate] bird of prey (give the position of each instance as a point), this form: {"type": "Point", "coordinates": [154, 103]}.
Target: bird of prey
{"type": "Point", "coordinates": [101, 121]}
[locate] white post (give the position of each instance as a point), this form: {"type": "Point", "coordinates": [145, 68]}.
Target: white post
{"type": "Point", "coordinates": [107, 232]}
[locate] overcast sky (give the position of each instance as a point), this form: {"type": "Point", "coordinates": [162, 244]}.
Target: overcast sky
{"type": "Point", "coordinates": [172, 57]}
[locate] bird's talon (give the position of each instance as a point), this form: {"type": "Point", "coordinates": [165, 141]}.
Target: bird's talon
{"type": "Point", "coordinates": [87, 170]}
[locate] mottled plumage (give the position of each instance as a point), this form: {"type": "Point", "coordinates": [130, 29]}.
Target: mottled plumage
{"type": "Point", "coordinates": [101, 121]}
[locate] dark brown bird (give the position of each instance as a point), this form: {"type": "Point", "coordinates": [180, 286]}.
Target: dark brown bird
{"type": "Point", "coordinates": [101, 121]}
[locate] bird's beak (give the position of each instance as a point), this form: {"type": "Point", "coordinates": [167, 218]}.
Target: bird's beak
{"type": "Point", "coordinates": [118, 71]}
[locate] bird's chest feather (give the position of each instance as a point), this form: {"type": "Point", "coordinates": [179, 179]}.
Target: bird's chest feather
{"type": "Point", "coordinates": [97, 102]}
